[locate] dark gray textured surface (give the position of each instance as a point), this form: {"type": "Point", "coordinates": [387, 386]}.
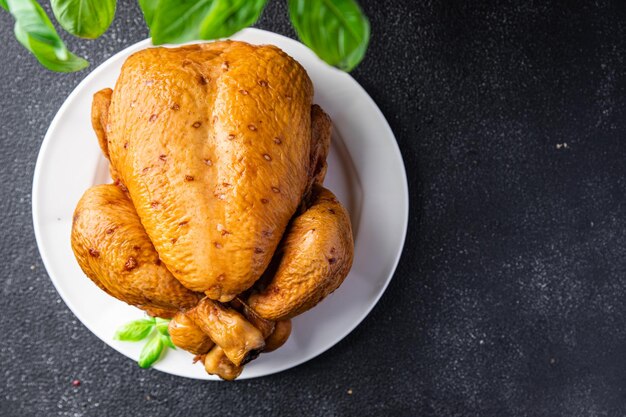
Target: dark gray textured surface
{"type": "Point", "coordinates": [510, 297]}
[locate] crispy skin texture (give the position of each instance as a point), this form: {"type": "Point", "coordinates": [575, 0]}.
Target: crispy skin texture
{"type": "Point", "coordinates": [214, 149]}
{"type": "Point", "coordinates": [114, 251]}
{"type": "Point", "coordinates": [159, 312]}
{"type": "Point", "coordinates": [99, 120]}
{"type": "Point", "coordinates": [240, 340]}
{"type": "Point", "coordinates": [316, 256]}
{"type": "Point", "coordinates": [217, 363]}
{"type": "Point", "coordinates": [100, 116]}
{"type": "Point", "coordinates": [186, 335]}
{"type": "Point", "coordinates": [279, 336]}
{"type": "Point", "coordinates": [213, 142]}
{"type": "Point", "coordinates": [266, 327]}
{"type": "Point", "coordinates": [321, 127]}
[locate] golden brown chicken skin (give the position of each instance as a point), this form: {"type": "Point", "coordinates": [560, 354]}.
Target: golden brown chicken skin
{"type": "Point", "coordinates": [217, 218]}
{"type": "Point", "coordinates": [100, 116]}
{"type": "Point", "coordinates": [213, 143]}
{"type": "Point", "coordinates": [217, 363]}
{"type": "Point", "coordinates": [186, 335]}
{"type": "Point", "coordinates": [107, 233]}
{"type": "Point", "coordinates": [266, 327]}
{"type": "Point", "coordinates": [239, 339]}
{"type": "Point", "coordinates": [321, 127]}
{"type": "Point", "coordinates": [282, 331]}
{"type": "Point", "coordinates": [315, 257]}
{"type": "Point", "coordinates": [113, 250]}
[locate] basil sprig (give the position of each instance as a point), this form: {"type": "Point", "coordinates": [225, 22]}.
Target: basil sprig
{"type": "Point", "coordinates": [155, 329]}
{"type": "Point", "coordinates": [336, 30]}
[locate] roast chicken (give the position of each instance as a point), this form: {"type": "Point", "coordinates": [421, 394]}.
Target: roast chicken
{"type": "Point", "coordinates": [217, 216]}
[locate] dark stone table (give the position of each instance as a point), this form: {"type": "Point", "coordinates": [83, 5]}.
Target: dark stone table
{"type": "Point", "coordinates": [510, 298]}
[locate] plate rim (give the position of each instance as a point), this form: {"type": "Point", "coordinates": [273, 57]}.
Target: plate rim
{"type": "Point", "coordinates": [37, 223]}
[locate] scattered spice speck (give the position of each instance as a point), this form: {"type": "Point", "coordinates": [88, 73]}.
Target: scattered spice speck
{"type": "Point", "coordinates": [130, 264]}
{"type": "Point", "coordinates": [76, 383]}
{"type": "Point", "coordinates": [562, 145]}
{"type": "Point", "coordinates": [349, 391]}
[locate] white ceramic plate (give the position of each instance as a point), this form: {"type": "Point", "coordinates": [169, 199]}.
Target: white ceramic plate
{"type": "Point", "coordinates": [365, 171]}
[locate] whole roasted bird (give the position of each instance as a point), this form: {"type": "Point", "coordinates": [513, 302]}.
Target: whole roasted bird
{"type": "Point", "coordinates": [217, 216]}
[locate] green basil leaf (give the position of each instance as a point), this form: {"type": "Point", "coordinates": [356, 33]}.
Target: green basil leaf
{"type": "Point", "coordinates": [4, 5]}
{"type": "Point", "coordinates": [151, 352]}
{"type": "Point", "coordinates": [228, 17]}
{"type": "Point", "coordinates": [167, 341]}
{"type": "Point", "coordinates": [33, 20]}
{"type": "Point", "coordinates": [84, 18]}
{"type": "Point", "coordinates": [135, 330]}
{"type": "Point", "coordinates": [336, 30]}
{"type": "Point", "coordinates": [178, 21]}
{"type": "Point", "coordinates": [34, 30]}
{"type": "Point", "coordinates": [47, 56]}
{"type": "Point", "coordinates": [162, 326]}
{"type": "Point", "coordinates": [148, 8]}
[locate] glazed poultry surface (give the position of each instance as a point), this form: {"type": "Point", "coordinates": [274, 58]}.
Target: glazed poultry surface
{"type": "Point", "coordinates": [113, 249]}
{"type": "Point", "coordinates": [216, 198]}
{"type": "Point", "coordinates": [217, 216]}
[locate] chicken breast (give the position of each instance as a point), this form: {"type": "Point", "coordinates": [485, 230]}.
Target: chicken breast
{"type": "Point", "coordinates": [213, 142]}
